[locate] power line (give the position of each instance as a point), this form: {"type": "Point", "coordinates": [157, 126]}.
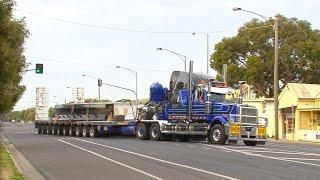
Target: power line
{"type": "Point", "coordinates": [88, 64]}
{"type": "Point", "coordinates": [112, 28]}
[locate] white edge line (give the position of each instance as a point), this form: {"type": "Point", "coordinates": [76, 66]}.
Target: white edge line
{"type": "Point", "coordinates": [161, 160]}
{"type": "Point", "coordinates": [116, 162]}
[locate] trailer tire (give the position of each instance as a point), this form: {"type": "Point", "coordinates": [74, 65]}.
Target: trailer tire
{"type": "Point", "coordinates": [250, 143]}
{"type": "Point", "coordinates": [72, 130]}
{"type": "Point", "coordinates": [49, 129]}
{"type": "Point", "coordinates": [39, 128]}
{"type": "Point", "coordinates": [142, 131]}
{"type": "Point", "coordinates": [155, 133]}
{"type": "Point", "coordinates": [79, 129]}
{"type": "Point", "coordinates": [60, 129]}
{"type": "Point", "coordinates": [66, 130]}
{"type": "Point", "coordinates": [86, 131]}
{"type": "Point", "coordinates": [93, 131]}
{"type": "Point", "coordinates": [55, 129]}
{"type": "Point", "coordinates": [217, 135]}
{"type": "Point", "coordinates": [44, 129]}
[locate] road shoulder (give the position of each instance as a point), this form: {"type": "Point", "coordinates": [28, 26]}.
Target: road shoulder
{"type": "Point", "coordinates": [23, 165]}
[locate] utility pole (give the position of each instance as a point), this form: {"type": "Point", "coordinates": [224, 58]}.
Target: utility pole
{"type": "Point", "coordinates": [208, 56]}
{"type": "Point", "coordinates": [276, 76]}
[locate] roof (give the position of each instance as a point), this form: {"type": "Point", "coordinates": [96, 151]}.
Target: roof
{"type": "Point", "coordinates": [305, 90]}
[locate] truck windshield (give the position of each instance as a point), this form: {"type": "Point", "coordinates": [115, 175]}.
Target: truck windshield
{"type": "Point", "coordinates": [217, 97]}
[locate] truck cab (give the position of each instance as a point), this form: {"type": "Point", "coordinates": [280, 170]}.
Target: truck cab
{"type": "Point", "coordinates": [199, 106]}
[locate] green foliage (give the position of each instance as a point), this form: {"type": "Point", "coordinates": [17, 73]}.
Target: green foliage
{"type": "Point", "coordinates": [13, 33]}
{"type": "Point", "coordinates": [23, 115]}
{"type": "Point", "coordinates": [250, 54]}
{"type": "Point", "coordinates": [51, 112]}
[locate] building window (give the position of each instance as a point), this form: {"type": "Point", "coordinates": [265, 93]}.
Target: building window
{"type": "Point", "coordinates": [309, 120]}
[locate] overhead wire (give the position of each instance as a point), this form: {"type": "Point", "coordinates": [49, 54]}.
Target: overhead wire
{"type": "Point", "coordinates": [112, 28]}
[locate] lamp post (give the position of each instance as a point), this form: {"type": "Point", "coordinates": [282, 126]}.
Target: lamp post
{"type": "Point", "coordinates": [208, 56]}
{"type": "Point", "coordinates": [135, 73]}
{"type": "Point", "coordinates": [99, 83]}
{"type": "Point", "coordinates": [181, 56]}
{"type": "Point", "coordinates": [276, 66]}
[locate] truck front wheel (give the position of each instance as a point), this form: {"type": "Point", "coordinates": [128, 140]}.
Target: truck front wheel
{"type": "Point", "coordinates": [142, 131]}
{"type": "Point", "coordinates": [250, 143]}
{"type": "Point", "coordinates": [155, 133]}
{"type": "Point", "coordinates": [217, 135]}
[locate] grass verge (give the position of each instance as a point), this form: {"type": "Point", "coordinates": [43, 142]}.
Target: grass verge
{"type": "Point", "coordinates": [7, 167]}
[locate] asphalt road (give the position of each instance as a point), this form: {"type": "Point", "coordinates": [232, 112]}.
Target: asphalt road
{"type": "Point", "coordinates": [59, 157]}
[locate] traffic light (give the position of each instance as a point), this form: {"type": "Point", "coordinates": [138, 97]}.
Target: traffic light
{"type": "Point", "coordinates": [99, 82]}
{"type": "Point", "coordinates": [39, 68]}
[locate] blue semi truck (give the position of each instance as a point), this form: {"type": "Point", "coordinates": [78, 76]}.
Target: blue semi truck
{"type": "Point", "coordinates": [194, 106]}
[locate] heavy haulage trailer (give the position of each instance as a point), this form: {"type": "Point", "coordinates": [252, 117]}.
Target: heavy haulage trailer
{"type": "Point", "coordinates": [194, 106]}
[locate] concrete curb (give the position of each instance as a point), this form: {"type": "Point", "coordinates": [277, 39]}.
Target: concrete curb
{"type": "Point", "coordinates": [23, 165]}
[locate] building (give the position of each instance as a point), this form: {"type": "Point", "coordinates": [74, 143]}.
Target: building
{"type": "Point", "coordinates": [299, 112]}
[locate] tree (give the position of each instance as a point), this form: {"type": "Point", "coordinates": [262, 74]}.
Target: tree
{"type": "Point", "coordinates": [250, 54]}
{"type": "Point", "coordinates": [13, 33]}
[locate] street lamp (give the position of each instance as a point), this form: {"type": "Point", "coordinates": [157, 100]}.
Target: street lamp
{"type": "Point", "coordinates": [208, 56]}
{"type": "Point", "coordinates": [99, 83]}
{"type": "Point", "coordinates": [276, 65]}
{"type": "Point", "coordinates": [181, 56]}
{"type": "Point", "coordinates": [135, 73]}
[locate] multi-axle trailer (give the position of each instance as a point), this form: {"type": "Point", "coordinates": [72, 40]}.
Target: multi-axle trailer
{"type": "Point", "coordinates": [194, 106]}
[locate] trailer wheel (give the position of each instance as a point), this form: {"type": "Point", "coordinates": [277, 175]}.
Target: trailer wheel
{"type": "Point", "coordinates": [79, 129]}
{"type": "Point", "coordinates": [250, 143]}
{"type": "Point", "coordinates": [44, 129]}
{"type": "Point", "coordinates": [39, 128]}
{"type": "Point", "coordinates": [86, 131]}
{"type": "Point", "coordinates": [217, 135]}
{"type": "Point", "coordinates": [72, 130]}
{"type": "Point", "coordinates": [49, 129]}
{"type": "Point", "coordinates": [142, 131]}
{"type": "Point", "coordinates": [60, 129]}
{"type": "Point", "coordinates": [55, 129]}
{"type": "Point", "coordinates": [66, 130]}
{"type": "Point", "coordinates": [93, 131]}
{"type": "Point", "coordinates": [155, 133]}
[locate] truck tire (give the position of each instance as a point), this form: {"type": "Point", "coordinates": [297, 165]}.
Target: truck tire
{"type": "Point", "coordinates": [142, 131]}
{"type": "Point", "coordinates": [93, 131]}
{"type": "Point", "coordinates": [250, 143]}
{"type": "Point", "coordinates": [79, 132]}
{"type": "Point", "coordinates": [155, 133]}
{"type": "Point", "coordinates": [217, 135]}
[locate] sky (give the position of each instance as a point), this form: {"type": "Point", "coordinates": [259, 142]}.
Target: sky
{"type": "Point", "coordinates": [77, 37]}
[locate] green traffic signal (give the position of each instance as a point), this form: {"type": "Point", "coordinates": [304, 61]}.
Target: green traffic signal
{"type": "Point", "coordinates": [39, 68]}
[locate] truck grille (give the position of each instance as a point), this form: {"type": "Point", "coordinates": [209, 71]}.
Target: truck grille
{"type": "Point", "coordinates": [249, 115]}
